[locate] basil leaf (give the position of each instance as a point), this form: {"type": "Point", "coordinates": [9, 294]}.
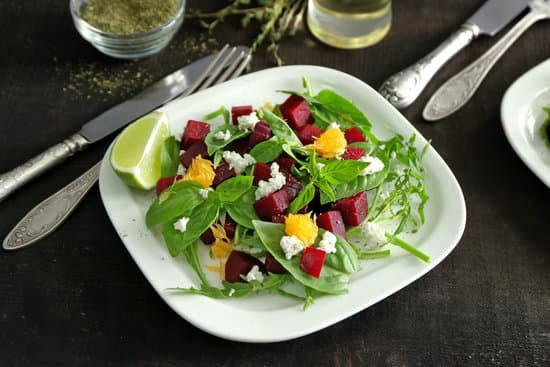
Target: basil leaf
{"type": "Point", "coordinates": [358, 184]}
{"type": "Point", "coordinates": [326, 191]}
{"type": "Point", "coordinates": [280, 128]}
{"type": "Point", "coordinates": [346, 108]}
{"type": "Point", "coordinates": [303, 198]}
{"type": "Point", "coordinates": [337, 172]}
{"type": "Point", "coordinates": [219, 112]}
{"type": "Point", "coordinates": [331, 280]}
{"type": "Point", "coordinates": [169, 157]}
{"type": "Point", "coordinates": [233, 188]}
{"type": "Point", "coordinates": [345, 257]}
{"type": "Point", "coordinates": [242, 211]}
{"type": "Point", "coordinates": [267, 151]}
{"type": "Point", "coordinates": [213, 144]}
{"type": "Point", "coordinates": [173, 239]}
{"type": "Point", "coordinates": [192, 256]}
{"type": "Point", "coordinates": [176, 201]}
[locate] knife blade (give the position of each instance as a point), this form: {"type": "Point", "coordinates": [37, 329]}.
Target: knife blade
{"type": "Point", "coordinates": [110, 121]}
{"type": "Point", "coordinates": [402, 89]}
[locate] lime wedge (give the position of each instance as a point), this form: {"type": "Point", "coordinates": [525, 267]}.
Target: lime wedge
{"type": "Point", "coordinates": [136, 153]}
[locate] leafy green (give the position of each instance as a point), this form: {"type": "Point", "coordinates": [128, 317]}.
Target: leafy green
{"type": "Point", "coordinates": [374, 254]}
{"type": "Point", "coordinates": [407, 247]}
{"type": "Point", "coordinates": [342, 171]}
{"type": "Point", "coordinates": [280, 128]}
{"type": "Point", "coordinates": [176, 201]}
{"type": "Point", "coordinates": [345, 258]}
{"type": "Point", "coordinates": [169, 157]}
{"type": "Point", "coordinates": [267, 151]}
{"type": "Point", "coordinates": [213, 144]}
{"type": "Point", "coordinates": [242, 211]}
{"type": "Point", "coordinates": [233, 188]}
{"type": "Point", "coordinates": [222, 111]}
{"type": "Point", "coordinates": [192, 257]}
{"type": "Point", "coordinates": [331, 280]}
{"type": "Point", "coordinates": [304, 197]}
{"type": "Point", "coordinates": [346, 109]}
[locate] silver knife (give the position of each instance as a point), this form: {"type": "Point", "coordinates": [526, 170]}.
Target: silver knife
{"type": "Point", "coordinates": [108, 122]}
{"type": "Point", "coordinates": [404, 87]}
{"type": "Point", "coordinates": [458, 90]}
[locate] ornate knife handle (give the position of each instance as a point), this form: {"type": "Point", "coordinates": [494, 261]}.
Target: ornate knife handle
{"type": "Point", "coordinates": [458, 90]}
{"type": "Point", "coordinates": [49, 214]}
{"type": "Point", "coordinates": [404, 87]}
{"type": "Point", "coordinates": [17, 177]}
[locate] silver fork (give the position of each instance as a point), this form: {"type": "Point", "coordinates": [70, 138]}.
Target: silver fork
{"type": "Point", "coordinates": [44, 218]}
{"type": "Point", "coordinates": [458, 90]}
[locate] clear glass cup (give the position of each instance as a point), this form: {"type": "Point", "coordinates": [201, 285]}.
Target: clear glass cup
{"type": "Point", "coordinates": [349, 24]}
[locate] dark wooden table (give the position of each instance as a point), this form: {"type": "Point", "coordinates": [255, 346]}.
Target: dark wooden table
{"type": "Point", "coordinates": [77, 298]}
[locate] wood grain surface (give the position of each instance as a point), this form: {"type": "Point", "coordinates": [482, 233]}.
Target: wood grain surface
{"type": "Point", "coordinates": [77, 299]}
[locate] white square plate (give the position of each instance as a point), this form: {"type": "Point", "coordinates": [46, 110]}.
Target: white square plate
{"type": "Point", "coordinates": [271, 317]}
{"type": "Point", "coordinates": [522, 118]}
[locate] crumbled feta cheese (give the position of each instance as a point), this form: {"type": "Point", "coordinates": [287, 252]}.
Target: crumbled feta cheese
{"type": "Point", "coordinates": [247, 122]}
{"type": "Point", "coordinates": [204, 193]}
{"type": "Point", "coordinates": [320, 166]}
{"type": "Point", "coordinates": [382, 147]}
{"type": "Point", "coordinates": [275, 182]}
{"type": "Point", "coordinates": [223, 135]}
{"type": "Point", "coordinates": [181, 224]}
{"type": "Point", "coordinates": [238, 162]}
{"type": "Point", "coordinates": [333, 125]}
{"type": "Point", "coordinates": [255, 274]}
{"type": "Point", "coordinates": [231, 292]}
{"type": "Point", "coordinates": [375, 235]}
{"type": "Point", "coordinates": [181, 170]}
{"type": "Point", "coordinates": [375, 165]}
{"type": "Point", "coordinates": [291, 246]}
{"type": "Point", "coordinates": [393, 155]}
{"type": "Point", "coordinates": [328, 243]}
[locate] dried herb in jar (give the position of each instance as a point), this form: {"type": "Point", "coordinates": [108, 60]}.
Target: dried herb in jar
{"type": "Point", "coordinates": [129, 16]}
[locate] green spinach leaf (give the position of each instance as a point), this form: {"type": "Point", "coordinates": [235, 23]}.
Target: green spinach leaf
{"type": "Point", "coordinates": [242, 211]}
{"type": "Point", "coordinates": [345, 258]}
{"type": "Point", "coordinates": [213, 144]}
{"type": "Point", "coordinates": [280, 128]}
{"type": "Point", "coordinates": [304, 197]}
{"type": "Point", "coordinates": [174, 202]}
{"type": "Point", "coordinates": [344, 107]}
{"type": "Point", "coordinates": [341, 171]}
{"type": "Point", "coordinates": [169, 157]}
{"type": "Point", "coordinates": [233, 188]}
{"type": "Point", "coordinates": [267, 151]}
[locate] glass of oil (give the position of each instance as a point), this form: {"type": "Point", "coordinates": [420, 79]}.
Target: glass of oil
{"type": "Point", "coordinates": [349, 24]}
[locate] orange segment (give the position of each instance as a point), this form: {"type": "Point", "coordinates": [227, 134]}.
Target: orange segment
{"type": "Point", "coordinates": [202, 171]}
{"type": "Point", "coordinates": [302, 226]}
{"type": "Point", "coordinates": [222, 246]}
{"type": "Point", "coordinates": [331, 143]}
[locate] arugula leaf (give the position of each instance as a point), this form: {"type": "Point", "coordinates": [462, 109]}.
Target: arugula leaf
{"type": "Point", "coordinates": [345, 258]}
{"type": "Point", "coordinates": [176, 201]}
{"type": "Point", "coordinates": [233, 188]}
{"type": "Point", "coordinates": [219, 112]}
{"type": "Point", "coordinates": [192, 256]}
{"type": "Point", "coordinates": [304, 197]}
{"type": "Point", "coordinates": [331, 281]}
{"type": "Point", "coordinates": [407, 247]}
{"type": "Point", "coordinates": [267, 151]}
{"type": "Point", "coordinates": [169, 157]}
{"type": "Point", "coordinates": [343, 106]}
{"type": "Point", "coordinates": [337, 172]}
{"type": "Point", "coordinates": [374, 254]}
{"type": "Point", "coordinates": [214, 144]}
{"type": "Point", "coordinates": [242, 211]}
{"type": "Point", "coordinates": [280, 128]}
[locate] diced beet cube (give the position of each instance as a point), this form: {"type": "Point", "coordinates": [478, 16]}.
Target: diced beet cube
{"type": "Point", "coordinates": [308, 133]}
{"type": "Point", "coordinates": [237, 111]}
{"type": "Point", "coordinates": [273, 266]}
{"type": "Point", "coordinates": [274, 203]}
{"type": "Point", "coordinates": [312, 261]}
{"type": "Point", "coordinates": [166, 182]}
{"type": "Point", "coordinates": [292, 187]}
{"type": "Point", "coordinates": [208, 237]}
{"type": "Point", "coordinates": [261, 132]}
{"type": "Point", "coordinates": [223, 172]}
{"type": "Point", "coordinates": [195, 149]}
{"type": "Point", "coordinates": [285, 163]}
{"type": "Point", "coordinates": [229, 227]}
{"type": "Point", "coordinates": [262, 171]}
{"type": "Point", "coordinates": [332, 221]}
{"type": "Point", "coordinates": [278, 218]}
{"type": "Point", "coordinates": [354, 135]}
{"type": "Point", "coordinates": [315, 204]}
{"type": "Point", "coordinates": [354, 153]}
{"type": "Point", "coordinates": [240, 146]}
{"type": "Point", "coordinates": [195, 131]}
{"type": "Point", "coordinates": [239, 263]}
{"type": "Point", "coordinates": [295, 111]}
{"type": "Point", "coordinates": [354, 208]}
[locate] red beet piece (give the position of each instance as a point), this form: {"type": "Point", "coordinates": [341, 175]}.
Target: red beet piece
{"type": "Point", "coordinates": [312, 261]}
{"type": "Point", "coordinates": [273, 266]}
{"type": "Point", "coordinates": [262, 171]}
{"type": "Point", "coordinates": [239, 263]}
{"type": "Point", "coordinates": [261, 132]}
{"type": "Point", "coordinates": [195, 149]}
{"type": "Point", "coordinates": [285, 163]}
{"type": "Point", "coordinates": [223, 172]}
{"type": "Point", "coordinates": [278, 218]}
{"type": "Point", "coordinates": [229, 227]}
{"type": "Point", "coordinates": [296, 112]}
{"type": "Point", "coordinates": [166, 182]}
{"type": "Point", "coordinates": [354, 135]}
{"type": "Point", "coordinates": [308, 133]}
{"type": "Point", "coordinates": [332, 221]}
{"type": "Point", "coordinates": [240, 146]}
{"type": "Point", "coordinates": [353, 153]}
{"type": "Point", "coordinates": [208, 237]}
{"type": "Point", "coordinates": [292, 187]}
{"type": "Point", "coordinates": [195, 131]}
{"type": "Point", "coordinates": [274, 203]}
{"type": "Point", "coordinates": [354, 208]}
{"type": "Point", "coordinates": [237, 111]}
